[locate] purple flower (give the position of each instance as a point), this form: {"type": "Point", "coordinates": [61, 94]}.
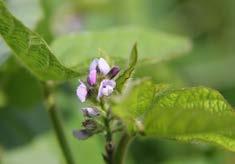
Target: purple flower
{"type": "Point", "coordinates": [113, 72]}
{"type": "Point", "coordinates": [82, 134]}
{"type": "Point", "coordinates": [90, 112]}
{"type": "Point", "coordinates": [92, 77]}
{"type": "Point", "coordinates": [99, 68]}
{"type": "Point", "coordinates": [103, 66]}
{"type": "Point", "coordinates": [82, 92]}
{"type": "Point", "coordinates": [94, 64]}
{"type": "Point", "coordinates": [97, 65]}
{"type": "Point", "coordinates": [99, 79]}
{"type": "Point", "coordinates": [100, 65]}
{"type": "Point", "coordinates": [106, 88]}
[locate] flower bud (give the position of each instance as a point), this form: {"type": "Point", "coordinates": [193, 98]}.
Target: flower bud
{"type": "Point", "coordinates": [103, 66]}
{"type": "Point", "coordinates": [91, 79]}
{"type": "Point", "coordinates": [94, 65]}
{"type": "Point", "coordinates": [89, 124]}
{"type": "Point", "coordinates": [90, 112]}
{"type": "Point", "coordinates": [82, 134]}
{"type": "Point", "coordinates": [113, 72]}
{"type": "Point", "coordinates": [82, 92]}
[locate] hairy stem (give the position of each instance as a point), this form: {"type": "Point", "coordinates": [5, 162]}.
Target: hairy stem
{"type": "Point", "coordinates": [109, 147]}
{"type": "Point", "coordinates": [121, 149]}
{"type": "Point", "coordinates": [56, 122]}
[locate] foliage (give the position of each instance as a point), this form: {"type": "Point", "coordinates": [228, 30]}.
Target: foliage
{"type": "Point", "coordinates": [182, 114]}
{"type": "Point", "coordinates": [145, 107]}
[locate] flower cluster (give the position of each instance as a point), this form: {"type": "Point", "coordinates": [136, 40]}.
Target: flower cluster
{"type": "Point", "coordinates": [100, 75]}
{"type": "Point", "coordinates": [100, 83]}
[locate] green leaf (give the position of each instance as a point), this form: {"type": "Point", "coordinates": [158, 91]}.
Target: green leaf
{"type": "Point", "coordinates": [153, 45]}
{"type": "Point", "coordinates": [135, 103]}
{"type": "Point", "coordinates": [138, 101]}
{"type": "Point", "coordinates": [190, 114]}
{"type": "Point", "coordinates": [122, 79]}
{"type": "Point", "coordinates": [31, 49]}
{"type": "Point", "coordinates": [193, 114]}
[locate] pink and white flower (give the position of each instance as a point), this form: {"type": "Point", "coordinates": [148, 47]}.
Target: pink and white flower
{"type": "Point", "coordinates": [106, 88]}
{"type": "Point", "coordinates": [82, 92]}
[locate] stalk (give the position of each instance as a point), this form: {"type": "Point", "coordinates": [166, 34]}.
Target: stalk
{"type": "Point", "coordinates": [56, 122]}
{"type": "Point", "coordinates": [109, 147]}
{"type": "Point", "coordinates": [121, 149]}
{"type": "Point", "coordinates": [114, 155]}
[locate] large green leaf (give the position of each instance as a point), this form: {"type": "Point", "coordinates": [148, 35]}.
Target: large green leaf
{"type": "Point", "coordinates": [200, 114]}
{"type": "Point", "coordinates": [22, 10]}
{"type": "Point", "coordinates": [117, 42]}
{"type": "Point", "coordinates": [202, 103]}
{"type": "Point", "coordinates": [31, 49]}
{"type": "Point", "coordinates": [189, 114]}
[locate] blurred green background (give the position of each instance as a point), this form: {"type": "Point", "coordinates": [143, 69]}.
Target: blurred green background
{"type": "Point", "coordinates": [26, 135]}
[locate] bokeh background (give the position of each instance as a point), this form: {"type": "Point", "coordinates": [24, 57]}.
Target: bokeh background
{"type": "Point", "coordinates": [26, 135]}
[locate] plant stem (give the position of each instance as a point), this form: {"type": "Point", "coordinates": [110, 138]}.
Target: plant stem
{"type": "Point", "coordinates": [112, 156]}
{"type": "Point", "coordinates": [109, 147]}
{"type": "Point", "coordinates": [121, 149]}
{"type": "Point", "coordinates": [56, 122]}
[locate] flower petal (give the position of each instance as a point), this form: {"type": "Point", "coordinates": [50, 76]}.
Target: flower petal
{"type": "Point", "coordinates": [90, 112]}
{"type": "Point", "coordinates": [100, 94]}
{"type": "Point", "coordinates": [82, 92]}
{"type": "Point", "coordinates": [103, 66]}
{"type": "Point", "coordinates": [106, 88]}
{"type": "Point", "coordinates": [111, 83]}
{"type": "Point", "coordinates": [92, 77]}
{"type": "Point", "coordinates": [93, 64]}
